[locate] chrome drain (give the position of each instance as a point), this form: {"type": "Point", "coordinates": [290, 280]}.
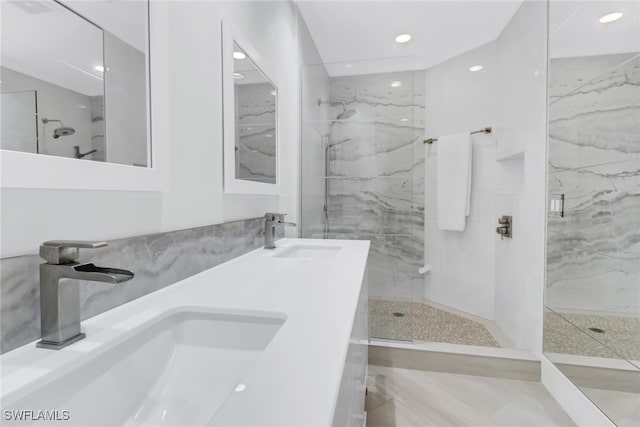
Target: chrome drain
{"type": "Point", "coordinates": [398, 314]}
{"type": "Point", "coordinates": [597, 330]}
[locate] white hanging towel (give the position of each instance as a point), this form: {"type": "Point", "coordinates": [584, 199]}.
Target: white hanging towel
{"type": "Point", "coordinates": [454, 181]}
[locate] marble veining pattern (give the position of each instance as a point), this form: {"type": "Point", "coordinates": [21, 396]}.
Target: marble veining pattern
{"type": "Point", "coordinates": [256, 132]}
{"type": "Point", "coordinates": [157, 260]}
{"type": "Point", "coordinates": [376, 176]}
{"type": "Point", "coordinates": [593, 258]}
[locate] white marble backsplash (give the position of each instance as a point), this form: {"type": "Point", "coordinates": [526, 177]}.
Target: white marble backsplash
{"type": "Point", "coordinates": [593, 258]}
{"type": "Point", "coordinates": [157, 260]}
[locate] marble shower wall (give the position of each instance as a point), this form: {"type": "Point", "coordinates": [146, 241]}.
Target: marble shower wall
{"type": "Point", "coordinates": [256, 132]}
{"type": "Point", "coordinates": [593, 260]}
{"type": "Point", "coordinates": [157, 260]}
{"type": "Point", "coordinates": [376, 176]}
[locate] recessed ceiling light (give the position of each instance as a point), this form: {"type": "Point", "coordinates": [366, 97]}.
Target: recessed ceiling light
{"type": "Point", "coordinates": [403, 38]}
{"type": "Point", "coordinates": [238, 76]}
{"type": "Point", "coordinates": [241, 387]}
{"type": "Point", "coordinates": [610, 17]}
{"type": "Point", "coordinates": [100, 68]}
{"type": "Point", "coordinates": [396, 83]}
{"type": "Point", "coordinates": [475, 68]}
{"type": "Point", "coordinates": [404, 119]}
{"type": "Point", "coordinates": [239, 55]}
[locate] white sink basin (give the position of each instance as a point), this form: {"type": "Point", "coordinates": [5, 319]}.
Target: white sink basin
{"type": "Point", "coordinates": [177, 370]}
{"type": "Point", "coordinates": [309, 252]}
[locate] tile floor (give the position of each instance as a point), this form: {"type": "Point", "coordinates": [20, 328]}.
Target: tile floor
{"type": "Point", "coordinates": [623, 408]}
{"type": "Point", "coordinates": [428, 322]}
{"type": "Point", "coordinates": [406, 398]}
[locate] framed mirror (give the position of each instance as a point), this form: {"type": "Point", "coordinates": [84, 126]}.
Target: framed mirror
{"type": "Point", "coordinates": [592, 296]}
{"type": "Point", "coordinates": [50, 77]}
{"type": "Point", "coordinates": [74, 80]}
{"type": "Point", "coordinates": [75, 94]}
{"type": "Point", "coordinates": [250, 108]}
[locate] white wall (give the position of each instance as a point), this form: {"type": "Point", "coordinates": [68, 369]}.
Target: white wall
{"type": "Point", "coordinates": [195, 195]}
{"type": "Point", "coordinates": [521, 134]}
{"type": "Point", "coordinates": [195, 63]}
{"type": "Point", "coordinates": [125, 103]}
{"type": "Point", "coordinates": [458, 100]}
{"type": "Point", "coordinates": [54, 102]}
{"type": "Point", "coordinates": [18, 121]}
{"type": "Point", "coordinates": [476, 271]}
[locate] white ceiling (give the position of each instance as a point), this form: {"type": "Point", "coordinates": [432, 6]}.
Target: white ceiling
{"type": "Point", "coordinates": [52, 44]}
{"type": "Point", "coordinates": [357, 36]}
{"type": "Point", "coordinates": [575, 30]}
{"type": "Point", "coordinates": [252, 74]}
{"type": "Point", "coordinates": [126, 19]}
{"type": "Point", "coordinates": [44, 40]}
{"type": "Point", "coordinates": [353, 31]}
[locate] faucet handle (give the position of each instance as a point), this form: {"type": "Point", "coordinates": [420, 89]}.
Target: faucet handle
{"type": "Point", "coordinates": [80, 244]}
{"type": "Point", "coordinates": [66, 251]}
{"type": "Point", "coordinates": [274, 216]}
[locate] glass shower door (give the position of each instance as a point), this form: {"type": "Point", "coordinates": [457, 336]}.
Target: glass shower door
{"type": "Point", "coordinates": [361, 161]}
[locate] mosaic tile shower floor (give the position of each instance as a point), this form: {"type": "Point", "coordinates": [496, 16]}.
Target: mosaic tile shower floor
{"type": "Point", "coordinates": [569, 333]}
{"type": "Point", "coordinates": [418, 321]}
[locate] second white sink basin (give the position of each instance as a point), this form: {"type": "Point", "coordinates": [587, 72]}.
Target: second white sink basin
{"type": "Point", "coordinates": [177, 370]}
{"type": "Point", "coordinates": [309, 252]}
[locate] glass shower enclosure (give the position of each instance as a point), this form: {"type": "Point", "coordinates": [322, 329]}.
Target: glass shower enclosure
{"type": "Point", "coordinates": [362, 178]}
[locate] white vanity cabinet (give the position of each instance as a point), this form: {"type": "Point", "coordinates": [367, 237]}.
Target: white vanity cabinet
{"type": "Point", "coordinates": [350, 404]}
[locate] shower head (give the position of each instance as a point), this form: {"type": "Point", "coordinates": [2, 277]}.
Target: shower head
{"type": "Point", "coordinates": [345, 114]}
{"type": "Point", "coordinates": [63, 131]}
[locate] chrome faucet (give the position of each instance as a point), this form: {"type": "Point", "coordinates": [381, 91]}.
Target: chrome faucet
{"type": "Point", "coordinates": [271, 220]}
{"type": "Point", "coordinates": [60, 309]}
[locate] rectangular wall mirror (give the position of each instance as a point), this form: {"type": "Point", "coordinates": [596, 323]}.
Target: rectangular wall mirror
{"type": "Point", "coordinates": [250, 119]}
{"type": "Point", "coordinates": [74, 80]}
{"type": "Point", "coordinates": [255, 117]}
{"type": "Point", "coordinates": [592, 299]}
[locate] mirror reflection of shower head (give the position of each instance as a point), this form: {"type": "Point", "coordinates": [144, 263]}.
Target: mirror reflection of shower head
{"type": "Point", "coordinates": [63, 131]}
{"type": "Point", "coordinates": [345, 114]}
{"type": "Point", "coordinates": [60, 131]}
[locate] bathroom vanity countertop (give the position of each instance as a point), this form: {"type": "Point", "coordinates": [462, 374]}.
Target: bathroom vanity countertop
{"type": "Point", "coordinates": [296, 379]}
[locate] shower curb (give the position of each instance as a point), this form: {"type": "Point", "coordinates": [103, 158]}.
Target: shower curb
{"type": "Point", "coordinates": [503, 363]}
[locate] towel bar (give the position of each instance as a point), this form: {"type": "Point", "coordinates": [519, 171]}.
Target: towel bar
{"type": "Point", "coordinates": [483, 130]}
